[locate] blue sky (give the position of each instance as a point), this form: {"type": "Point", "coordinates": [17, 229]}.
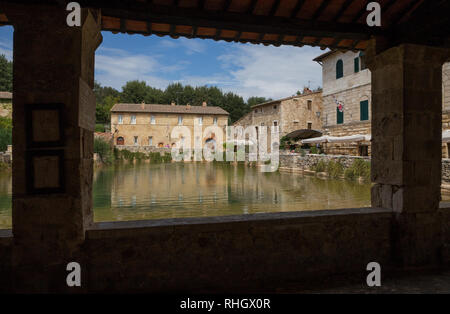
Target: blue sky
{"type": "Point", "coordinates": [245, 69]}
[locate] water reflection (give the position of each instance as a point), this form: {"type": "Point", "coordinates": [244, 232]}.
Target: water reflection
{"type": "Point", "coordinates": [127, 192]}
{"type": "Point", "coordinates": [211, 189]}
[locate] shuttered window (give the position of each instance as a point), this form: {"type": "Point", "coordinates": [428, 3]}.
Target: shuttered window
{"type": "Point", "coordinates": [340, 116]}
{"type": "Point", "coordinates": [356, 65]}
{"type": "Point", "coordinates": [364, 110]}
{"type": "Point", "coordinates": [339, 69]}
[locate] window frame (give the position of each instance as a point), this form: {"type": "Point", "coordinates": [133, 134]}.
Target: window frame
{"type": "Point", "coordinates": [339, 114]}
{"type": "Point", "coordinates": [366, 111]}
{"type": "Point", "coordinates": [339, 69]}
{"type": "Point", "coordinates": [356, 65]}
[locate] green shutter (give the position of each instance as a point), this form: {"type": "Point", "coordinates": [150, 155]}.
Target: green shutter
{"type": "Point", "coordinates": [364, 110]}
{"type": "Point", "coordinates": [340, 116]}
{"type": "Point", "coordinates": [339, 69]}
{"type": "Point", "coordinates": [356, 65]}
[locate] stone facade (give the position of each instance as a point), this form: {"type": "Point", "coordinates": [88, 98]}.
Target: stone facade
{"type": "Point", "coordinates": [290, 114]}
{"type": "Point", "coordinates": [297, 162]}
{"type": "Point", "coordinates": [351, 90]}
{"type": "Point", "coordinates": [154, 128]}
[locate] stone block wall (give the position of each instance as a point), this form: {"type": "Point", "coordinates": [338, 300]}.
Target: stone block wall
{"type": "Point", "coordinates": [351, 79]}
{"type": "Point", "coordinates": [236, 252]}
{"type": "Point", "coordinates": [446, 170]}
{"type": "Point", "coordinates": [351, 99]}
{"type": "Point", "coordinates": [349, 148]}
{"type": "Point", "coordinates": [446, 86]}
{"type": "Point", "coordinates": [6, 241]}
{"type": "Point", "coordinates": [144, 149]}
{"type": "Point", "coordinates": [299, 162]}
{"type": "Point", "coordinates": [291, 113]}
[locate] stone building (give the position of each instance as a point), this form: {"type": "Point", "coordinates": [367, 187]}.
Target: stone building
{"type": "Point", "coordinates": [405, 229]}
{"type": "Point", "coordinates": [446, 110]}
{"type": "Point", "coordinates": [346, 102]}
{"type": "Point", "coordinates": [147, 125]}
{"type": "Point", "coordinates": [5, 97]}
{"type": "Point", "coordinates": [299, 112]}
{"type": "Point", "coordinates": [5, 104]}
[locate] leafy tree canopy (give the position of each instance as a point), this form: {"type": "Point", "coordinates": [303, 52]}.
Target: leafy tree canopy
{"type": "Point", "coordinates": [136, 92]}
{"type": "Point", "coordinates": [6, 76]}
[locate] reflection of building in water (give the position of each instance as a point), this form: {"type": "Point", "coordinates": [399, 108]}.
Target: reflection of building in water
{"type": "Point", "coordinates": [201, 189]}
{"type": "Point", "coordinates": [151, 125]}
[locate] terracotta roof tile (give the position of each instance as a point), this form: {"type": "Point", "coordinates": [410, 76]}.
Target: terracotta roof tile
{"type": "Point", "coordinates": [168, 109]}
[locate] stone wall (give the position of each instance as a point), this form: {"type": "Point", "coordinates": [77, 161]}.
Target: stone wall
{"type": "Point", "coordinates": [348, 148]}
{"type": "Point", "coordinates": [6, 241]}
{"type": "Point", "coordinates": [299, 162]}
{"type": "Point", "coordinates": [289, 161]}
{"type": "Point", "coordinates": [446, 86]}
{"type": "Point", "coordinates": [351, 79]}
{"type": "Point", "coordinates": [144, 149]}
{"type": "Point", "coordinates": [446, 170]}
{"type": "Point", "coordinates": [159, 132]}
{"type": "Point", "coordinates": [236, 252]}
{"type": "Point", "coordinates": [291, 113]}
{"type": "Point", "coordinates": [225, 254]}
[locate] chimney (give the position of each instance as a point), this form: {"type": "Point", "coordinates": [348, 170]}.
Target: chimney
{"type": "Point", "coordinates": [188, 106]}
{"type": "Point", "coordinates": [172, 103]}
{"type": "Point", "coordinates": [143, 105]}
{"type": "Point", "coordinates": [204, 104]}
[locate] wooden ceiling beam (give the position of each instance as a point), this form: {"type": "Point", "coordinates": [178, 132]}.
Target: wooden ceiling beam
{"type": "Point", "coordinates": [235, 21]}
{"type": "Point", "coordinates": [275, 7]}
{"type": "Point", "coordinates": [361, 12]}
{"type": "Point", "coordinates": [201, 4]}
{"type": "Point", "coordinates": [252, 6]}
{"type": "Point", "coordinates": [321, 8]}
{"type": "Point", "coordinates": [402, 13]}
{"type": "Point", "coordinates": [297, 8]}
{"type": "Point", "coordinates": [226, 5]}
{"type": "Point", "coordinates": [342, 10]}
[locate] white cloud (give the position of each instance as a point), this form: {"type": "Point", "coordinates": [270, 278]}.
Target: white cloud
{"type": "Point", "coordinates": [247, 70]}
{"type": "Point", "coordinates": [185, 45]}
{"type": "Point", "coordinates": [268, 71]}
{"type": "Point", "coordinates": [114, 67]}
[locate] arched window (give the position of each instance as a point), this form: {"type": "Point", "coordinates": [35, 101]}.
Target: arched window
{"type": "Point", "coordinates": [339, 69]}
{"type": "Point", "coordinates": [120, 141]}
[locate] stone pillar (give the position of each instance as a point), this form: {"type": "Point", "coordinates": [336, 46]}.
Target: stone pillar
{"type": "Point", "coordinates": [406, 146]}
{"type": "Point", "coordinates": [53, 124]}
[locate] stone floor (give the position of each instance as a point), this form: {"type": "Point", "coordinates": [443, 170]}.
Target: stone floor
{"type": "Point", "coordinates": [434, 283]}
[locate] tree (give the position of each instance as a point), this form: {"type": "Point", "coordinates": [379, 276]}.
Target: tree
{"type": "Point", "coordinates": [101, 92]}
{"type": "Point", "coordinates": [103, 110]}
{"type": "Point", "coordinates": [252, 101]}
{"type": "Point", "coordinates": [5, 133]}
{"type": "Point", "coordinates": [6, 74]}
{"type": "Point", "coordinates": [235, 106]}
{"type": "Point", "coordinates": [134, 92]}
